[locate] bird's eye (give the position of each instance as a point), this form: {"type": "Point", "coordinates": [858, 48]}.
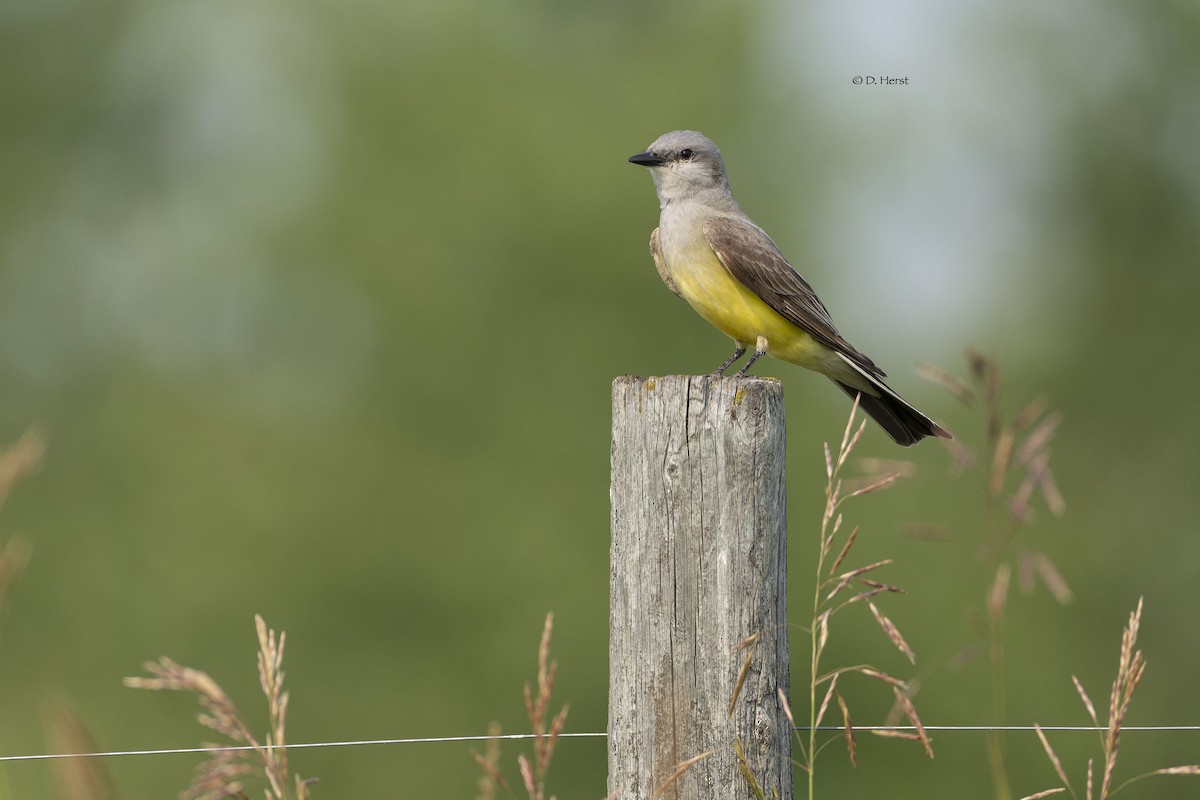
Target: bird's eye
{"type": "Point", "coordinates": [686, 154]}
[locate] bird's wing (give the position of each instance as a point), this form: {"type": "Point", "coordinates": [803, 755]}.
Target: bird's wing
{"type": "Point", "coordinates": [658, 264]}
{"type": "Point", "coordinates": [756, 263]}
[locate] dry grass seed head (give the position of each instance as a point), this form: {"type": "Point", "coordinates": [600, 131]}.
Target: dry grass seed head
{"type": "Point", "coordinates": [887, 466]}
{"type": "Point", "coordinates": [846, 577]}
{"type": "Point", "coordinates": [302, 785]}
{"type": "Point", "coordinates": [892, 733]}
{"type": "Point", "coordinates": [822, 632]}
{"type": "Point", "coordinates": [985, 375]}
{"type": "Point", "coordinates": [489, 763]}
{"type": "Point", "coordinates": [910, 711]}
{"type": "Point", "coordinates": [270, 678]}
{"type": "Point", "coordinates": [221, 775]}
{"type": "Point", "coordinates": [986, 372]}
{"type": "Point", "coordinates": [270, 664]}
{"type": "Point", "coordinates": [998, 596]}
{"type": "Point", "coordinates": [527, 778]}
{"type": "Point", "coordinates": [828, 697]}
{"type": "Point", "coordinates": [1038, 439]}
{"type": "Point", "coordinates": [76, 778]}
{"type": "Point", "coordinates": [878, 675]}
{"type": "Point", "coordinates": [1087, 701]}
{"type": "Point", "coordinates": [874, 591]}
{"type": "Point", "coordinates": [841, 556]}
{"type": "Point", "coordinates": [556, 728]}
{"type": "Point", "coordinates": [220, 714]}
{"type": "Point", "coordinates": [677, 773]}
{"type": "Point", "coordinates": [545, 667]}
{"type": "Point", "coordinates": [1189, 769]}
{"type": "Point", "coordinates": [833, 492]}
{"type": "Point", "coordinates": [968, 655]}
{"type": "Point", "coordinates": [536, 708]}
{"type": "Point", "coordinates": [849, 441]}
{"type": "Point", "coordinates": [1053, 756]}
{"type": "Point", "coordinates": [887, 587]}
{"type": "Point", "coordinates": [893, 634]}
{"type": "Point", "coordinates": [1047, 486]}
{"type": "Point", "coordinates": [1129, 674]}
{"type": "Point", "coordinates": [951, 383]}
{"type": "Point", "coordinates": [871, 484]}
{"type": "Point", "coordinates": [1029, 414]}
{"type": "Point", "coordinates": [20, 459]}
{"type": "Point", "coordinates": [848, 729]}
{"type": "Point", "coordinates": [896, 712]}
{"type": "Point", "coordinates": [1000, 459]}
{"type": "Point", "coordinates": [751, 643]}
{"type": "Point", "coordinates": [1052, 579]}
{"type": "Point", "coordinates": [747, 773]}
{"type": "Point", "coordinates": [962, 457]}
{"type": "Point", "coordinates": [787, 707]}
{"type": "Point", "coordinates": [1019, 507]}
{"type": "Point", "coordinates": [830, 536]}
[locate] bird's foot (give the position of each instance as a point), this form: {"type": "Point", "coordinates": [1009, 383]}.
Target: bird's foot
{"type": "Point", "coordinates": [720, 371]}
{"type": "Point", "coordinates": [741, 373]}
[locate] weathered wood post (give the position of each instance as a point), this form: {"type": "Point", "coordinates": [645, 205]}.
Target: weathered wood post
{"type": "Point", "coordinates": [698, 565]}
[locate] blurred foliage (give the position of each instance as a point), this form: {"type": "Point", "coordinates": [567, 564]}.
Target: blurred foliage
{"type": "Point", "coordinates": [317, 305]}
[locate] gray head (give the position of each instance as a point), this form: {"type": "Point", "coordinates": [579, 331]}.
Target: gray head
{"type": "Point", "coordinates": [685, 164]}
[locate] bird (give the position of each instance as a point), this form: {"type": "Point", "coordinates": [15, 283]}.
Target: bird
{"type": "Point", "coordinates": [712, 255]}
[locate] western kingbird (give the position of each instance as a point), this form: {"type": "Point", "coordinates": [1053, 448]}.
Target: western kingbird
{"type": "Point", "coordinates": [712, 255]}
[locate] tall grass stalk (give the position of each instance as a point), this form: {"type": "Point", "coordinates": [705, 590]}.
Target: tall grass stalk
{"type": "Point", "coordinates": [1130, 667]}
{"type": "Point", "coordinates": [224, 773]}
{"type": "Point", "coordinates": [546, 730]}
{"type": "Point", "coordinates": [835, 591]}
{"type": "Point", "coordinates": [1016, 471]}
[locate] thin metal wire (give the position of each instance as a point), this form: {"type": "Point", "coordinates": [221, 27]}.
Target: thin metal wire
{"type": "Point", "coordinates": [515, 736]}
{"type": "Point", "coordinates": [1018, 728]}
{"type": "Point", "coordinates": [299, 746]}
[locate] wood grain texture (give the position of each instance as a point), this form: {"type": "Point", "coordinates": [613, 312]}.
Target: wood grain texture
{"type": "Point", "coordinates": [698, 564]}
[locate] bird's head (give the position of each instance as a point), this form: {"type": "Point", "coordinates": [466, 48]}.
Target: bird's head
{"type": "Point", "coordinates": [683, 164]}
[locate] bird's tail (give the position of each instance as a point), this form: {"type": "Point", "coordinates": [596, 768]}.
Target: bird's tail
{"type": "Point", "coordinates": [905, 424]}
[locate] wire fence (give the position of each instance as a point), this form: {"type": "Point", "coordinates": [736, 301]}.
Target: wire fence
{"type": "Point", "coordinates": [595, 735]}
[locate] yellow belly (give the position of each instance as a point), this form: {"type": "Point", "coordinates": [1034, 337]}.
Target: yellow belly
{"type": "Point", "coordinates": [740, 314]}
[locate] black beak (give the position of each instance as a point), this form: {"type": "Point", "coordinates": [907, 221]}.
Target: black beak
{"type": "Point", "coordinates": [647, 159]}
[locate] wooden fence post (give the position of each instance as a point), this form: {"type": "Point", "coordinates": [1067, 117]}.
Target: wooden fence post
{"type": "Point", "coordinates": [698, 565]}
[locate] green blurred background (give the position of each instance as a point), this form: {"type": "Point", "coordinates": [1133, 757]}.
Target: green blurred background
{"type": "Point", "coordinates": [318, 306]}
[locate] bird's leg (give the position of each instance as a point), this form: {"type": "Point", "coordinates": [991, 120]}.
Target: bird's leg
{"type": "Point", "coordinates": [760, 350]}
{"type": "Point", "coordinates": [738, 353]}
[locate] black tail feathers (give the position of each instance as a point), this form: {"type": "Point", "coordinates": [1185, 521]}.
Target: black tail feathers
{"type": "Point", "coordinates": [905, 424]}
